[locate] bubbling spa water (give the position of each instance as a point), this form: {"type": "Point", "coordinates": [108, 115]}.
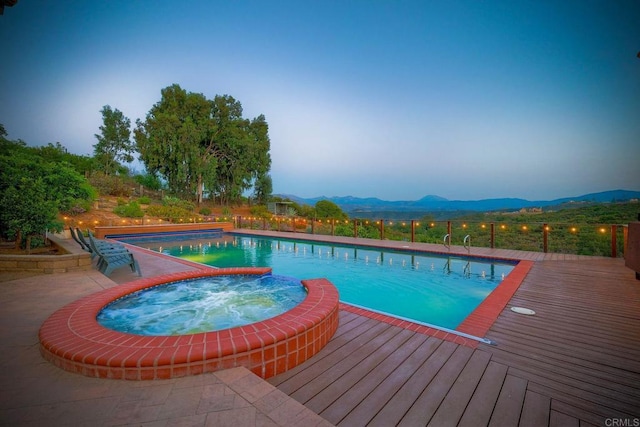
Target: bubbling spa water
{"type": "Point", "coordinates": [202, 305]}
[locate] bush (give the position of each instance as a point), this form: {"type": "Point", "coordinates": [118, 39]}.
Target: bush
{"type": "Point", "coordinates": [178, 203]}
{"type": "Point", "coordinates": [110, 185]}
{"type": "Point", "coordinates": [130, 210]}
{"type": "Point", "coordinates": [144, 200]}
{"type": "Point", "coordinates": [260, 211]}
{"type": "Point", "coordinates": [205, 211]}
{"type": "Point", "coordinates": [31, 213]}
{"type": "Point", "coordinates": [171, 213]}
{"type": "Point", "coordinates": [78, 206]}
{"type": "Point", "coordinates": [149, 181]}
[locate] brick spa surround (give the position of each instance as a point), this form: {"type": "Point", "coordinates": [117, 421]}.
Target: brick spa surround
{"type": "Point", "coordinates": [72, 339]}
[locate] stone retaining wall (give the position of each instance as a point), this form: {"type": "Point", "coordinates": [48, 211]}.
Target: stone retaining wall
{"type": "Point", "coordinates": [71, 258]}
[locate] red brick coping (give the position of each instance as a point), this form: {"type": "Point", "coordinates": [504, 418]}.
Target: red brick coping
{"type": "Point", "coordinates": [73, 340]}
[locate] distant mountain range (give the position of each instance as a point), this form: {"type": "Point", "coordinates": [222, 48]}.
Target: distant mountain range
{"type": "Point", "coordinates": [372, 207]}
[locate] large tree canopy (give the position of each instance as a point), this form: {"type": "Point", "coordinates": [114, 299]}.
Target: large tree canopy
{"type": "Point", "coordinates": [197, 144]}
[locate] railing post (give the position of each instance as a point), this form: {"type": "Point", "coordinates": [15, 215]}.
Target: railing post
{"type": "Point", "coordinates": [545, 238]}
{"type": "Point", "coordinates": [449, 231]}
{"type": "Point", "coordinates": [264, 223]}
{"type": "Point", "coordinates": [625, 238]}
{"type": "Point", "coordinates": [493, 235]}
{"type": "Point", "coordinates": [333, 227]}
{"type": "Point", "coordinates": [382, 229]}
{"type": "Point", "coordinates": [413, 231]}
{"type": "Point", "coordinates": [313, 226]}
{"type": "Point", "coordinates": [293, 221]}
{"type": "Point", "coordinates": [614, 241]}
{"type": "Point", "coordinates": [355, 228]}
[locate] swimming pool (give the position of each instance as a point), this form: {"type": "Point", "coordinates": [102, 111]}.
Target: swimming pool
{"type": "Point", "coordinates": [432, 289]}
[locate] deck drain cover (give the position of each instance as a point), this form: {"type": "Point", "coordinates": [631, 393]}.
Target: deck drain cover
{"type": "Point", "coordinates": [522, 310]}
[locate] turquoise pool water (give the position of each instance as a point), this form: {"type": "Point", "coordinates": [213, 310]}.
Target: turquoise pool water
{"type": "Point", "coordinates": [202, 305]}
{"type": "Point", "coordinates": [436, 290]}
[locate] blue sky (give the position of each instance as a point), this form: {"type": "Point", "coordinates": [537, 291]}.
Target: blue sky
{"type": "Point", "coordinates": [389, 99]}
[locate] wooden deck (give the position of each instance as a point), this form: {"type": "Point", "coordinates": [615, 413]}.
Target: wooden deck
{"type": "Point", "coordinates": [575, 363]}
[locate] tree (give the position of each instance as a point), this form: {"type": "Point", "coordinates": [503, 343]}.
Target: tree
{"type": "Point", "coordinates": [197, 144]}
{"type": "Point", "coordinates": [114, 144]}
{"type": "Point", "coordinates": [263, 188]}
{"type": "Point", "coordinates": [326, 209]}
{"type": "Point", "coordinates": [32, 212]}
{"type": "Point", "coordinates": [58, 153]}
{"type": "Point", "coordinates": [35, 189]}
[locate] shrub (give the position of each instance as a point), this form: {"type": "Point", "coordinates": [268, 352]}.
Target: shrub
{"type": "Point", "coordinates": [144, 200]}
{"type": "Point", "coordinates": [260, 211]}
{"type": "Point", "coordinates": [109, 184]}
{"type": "Point", "coordinates": [130, 210]}
{"type": "Point", "coordinates": [205, 211]}
{"type": "Point", "coordinates": [150, 181]}
{"type": "Point", "coordinates": [178, 203]}
{"type": "Point", "coordinates": [171, 213]}
{"type": "Point", "coordinates": [31, 213]}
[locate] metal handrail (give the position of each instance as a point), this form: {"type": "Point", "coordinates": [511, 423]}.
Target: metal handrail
{"type": "Point", "coordinates": [447, 241]}
{"type": "Point", "coordinates": [467, 243]}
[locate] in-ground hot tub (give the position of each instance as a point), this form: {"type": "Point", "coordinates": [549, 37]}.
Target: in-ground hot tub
{"type": "Point", "coordinates": [73, 339]}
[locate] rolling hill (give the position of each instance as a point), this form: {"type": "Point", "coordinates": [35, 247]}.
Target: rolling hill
{"type": "Point", "coordinates": [372, 207]}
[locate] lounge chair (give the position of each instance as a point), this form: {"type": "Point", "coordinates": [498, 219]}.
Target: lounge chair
{"type": "Point", "coordinates": [106, 244]}
{"type": "Point", "coordinates": [84, 246]}
{"type": "Point", "coordinates": [113, 257]}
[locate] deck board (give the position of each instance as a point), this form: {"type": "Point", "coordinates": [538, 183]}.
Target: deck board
{"type": "Point", "coordinates": [575, 362]}
{"type": "Point", "coordinates": [510, 402]}
{"type": "Point", "coordinates": [536, 410]}
{"type": "Point", "coordinates": [354, 395]}
{"type": "Point", "coordinates": [381, 396]}
{"type": "Point", "coordinates": [451, 410]}
{"type": "Point", "coordinates": [431, 397]}
{"type": "Point", "coordinates": [371, 362]}
{"type": "Point", "coordinates": [480, 407]}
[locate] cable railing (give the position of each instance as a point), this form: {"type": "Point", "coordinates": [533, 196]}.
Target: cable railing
{"type": "Point", "coordinates": [569, 238]}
